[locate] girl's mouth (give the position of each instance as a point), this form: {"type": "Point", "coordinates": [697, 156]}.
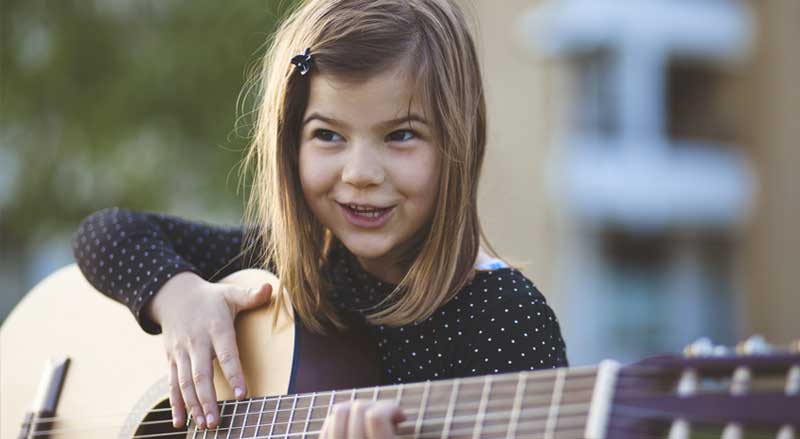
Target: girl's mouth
{"type": "Point", "coordinates": [368, 217]}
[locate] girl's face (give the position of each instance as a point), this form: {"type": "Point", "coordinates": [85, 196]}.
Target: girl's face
{"type": "Point", "coordinates": [368, 167]}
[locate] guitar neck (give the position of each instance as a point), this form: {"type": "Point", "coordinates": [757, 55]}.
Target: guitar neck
{"type": "Point", "coordinates": [534, 403]}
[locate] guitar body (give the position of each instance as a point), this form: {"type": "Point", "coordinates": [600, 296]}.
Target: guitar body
{"type": "Point", "coordinates": [117, 376]}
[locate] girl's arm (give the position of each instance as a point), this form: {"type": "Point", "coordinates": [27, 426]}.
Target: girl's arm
{"type": "Point", "coordinates": [128, 256]}
{"type": "Point", "coordinates": [160, 266]}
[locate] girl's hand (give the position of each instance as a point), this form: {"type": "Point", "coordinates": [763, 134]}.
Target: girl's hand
{"type": "Point", "coordinates": [362, 419]}
{"type": "Point", "coordinates": [196, 319]}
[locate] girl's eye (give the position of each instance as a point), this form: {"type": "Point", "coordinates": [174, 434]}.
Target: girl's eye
{"type": "Point", "coordinates": [401, 136]}
{"type": "Point", "coordinates": [327, 135]}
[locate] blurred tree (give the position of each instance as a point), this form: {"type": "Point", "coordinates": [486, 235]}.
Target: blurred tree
{"type": "Point", "coordinates": [120, 103]}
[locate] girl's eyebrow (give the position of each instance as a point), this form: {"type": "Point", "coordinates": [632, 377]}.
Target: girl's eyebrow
{"type": "Point", "coordinates": [389, 123]}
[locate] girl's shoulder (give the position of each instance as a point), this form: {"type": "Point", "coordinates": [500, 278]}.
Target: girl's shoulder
{"type": "Point", "coordinates": [495, 276]}
{"type": "Point", "coordinates": [497, 282]}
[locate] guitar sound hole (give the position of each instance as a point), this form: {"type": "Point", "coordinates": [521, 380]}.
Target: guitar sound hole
{"type": "Point", "coordinates": [159, 421]}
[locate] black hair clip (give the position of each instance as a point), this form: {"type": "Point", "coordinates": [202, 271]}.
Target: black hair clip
{"type": "Point", "coordinates": [303, 61]}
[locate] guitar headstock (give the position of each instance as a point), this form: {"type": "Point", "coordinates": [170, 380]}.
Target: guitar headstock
{"type": "Point", "coordinates": [752, 390]}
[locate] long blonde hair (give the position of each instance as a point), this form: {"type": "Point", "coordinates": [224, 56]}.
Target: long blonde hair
{"type": "Point", "coordinates": [353, 40]}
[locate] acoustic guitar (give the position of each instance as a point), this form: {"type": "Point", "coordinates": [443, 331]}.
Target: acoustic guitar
{"type": "Point", "coordinates": [73, 364]}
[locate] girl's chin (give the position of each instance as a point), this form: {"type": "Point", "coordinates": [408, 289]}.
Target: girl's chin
{"type": "Point", "coordinates": [367, 252]}
{"type": "Point", "coordinates": [367, 248]}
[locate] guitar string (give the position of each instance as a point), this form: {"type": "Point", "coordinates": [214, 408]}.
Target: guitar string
{"type": "Point", "coordinates": [577, 425]}
{"type": "Point", "coordinates": [410, 412]}
{"type": "Point", "coordinates": [408, 424]}
{"type": "Point", "coordinates": [575, 374]}
{"type": "Point", "coordinates": [528, 416]}
{"type": "Point", "coordinates": [494, 402]}
{"type": "Point", "coordinates": [426, 423]}
{"type": "Point", "coordinates": [494, 405]}
{"type": "Point", "coordinates": [620, 412]}
{"type": "Point", "coordinates": [572, 410]}
{"type": "Point", "coordinates": [537, 376]}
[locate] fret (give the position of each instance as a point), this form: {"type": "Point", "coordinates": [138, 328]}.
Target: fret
{"type": "Point", "coordinates": [319, 411]}
{"type": "Point", "coordinates": [246, 425]}
{"type": "Point", "coordinates": [422, 406]}
{"type": "Point", "coordinates": [205, 431]}
{"type": "Point", "coordinates": [302, 414]}
{"type": "Point", "coordinates": [232, 425]}
{"type": "Point", "coordinates": [516, 409]}
{"type": "Point", "coordinates": [290, 419]}
{"type": "Point", "coordinates": [308, 415]}
{"type": "Point", "coordinates": [448, 418]}
{"type": "Point", "coordinates": [555, 404]}
{"type": "Point", "coordinates": [274, 416]}
{"type": "Point", "coordinates": [330, 403]}
{"type": "Point", "coordinates": [375, 393]}
{"type": "Point", "coordinates": [500, 402]}
{"type": "Point", "coordinates": [364, 394]}
{"type": "Point", "coordinates": [487, 388]}
{"type": "Point", "coordinates": [260, 415]}
{"type": "Point", "coordinates": [221, 422]}
{"type": "Point", "coordinates": [399, 396]}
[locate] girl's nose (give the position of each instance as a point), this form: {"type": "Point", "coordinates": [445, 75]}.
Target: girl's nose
{"type": "Point", "coordinates": [363, 167]}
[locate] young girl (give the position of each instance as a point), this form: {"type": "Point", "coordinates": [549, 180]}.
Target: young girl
{"type": "Point", "coordinates": [367, 153]}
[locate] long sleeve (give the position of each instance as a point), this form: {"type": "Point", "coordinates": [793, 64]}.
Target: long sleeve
{"type": "Point", "coordinates": [128, 256]}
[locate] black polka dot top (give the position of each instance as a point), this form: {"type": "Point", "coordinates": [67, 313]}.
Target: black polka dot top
{"type": "Point", "coordinates": [499, 322]}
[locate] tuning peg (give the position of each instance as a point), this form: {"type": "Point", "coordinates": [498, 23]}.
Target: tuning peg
{"type": "Point", "coordinates": [754, 345]}
{"type": "Point", "coordinates": [700, 348]}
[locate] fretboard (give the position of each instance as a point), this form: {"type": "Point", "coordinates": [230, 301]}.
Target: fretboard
{"type": "Point", "coordinates": [548, 404]}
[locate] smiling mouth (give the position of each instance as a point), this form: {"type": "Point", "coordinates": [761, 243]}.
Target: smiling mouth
{"type": "Point", "coordinates": [366, 216]}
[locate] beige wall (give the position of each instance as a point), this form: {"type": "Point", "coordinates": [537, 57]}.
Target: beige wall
{"type": "Point", "coordinates": [512, 200]}
{"type": "Point", "coordinates": [773, 248]}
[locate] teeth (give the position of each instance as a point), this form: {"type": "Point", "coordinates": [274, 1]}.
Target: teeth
{"type": "Point", "coordinates": [369, 214]}
{"type": "Point", "coordinates": [365, 211]}
{"type": "Point", "coordinates": [362, 209]}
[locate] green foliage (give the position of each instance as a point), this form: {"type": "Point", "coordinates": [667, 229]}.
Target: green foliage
{"type": "Point", "coordinates": [123, 102]}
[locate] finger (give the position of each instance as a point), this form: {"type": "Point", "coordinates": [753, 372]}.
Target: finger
{"type": "Point", "coordinates": [223, 339]}
{"type": "Point", "coordinates": [186, 385]}
{"type": "Point", "coordinates": [202, 376]}
{"type": "Point", "coordinates": [381, 419]}
{"type": "Point", "coordinates": [355, 422]}
{"type": "Point", "coordinates": [338, 418]}
{"type": "Point", "coordinates": [323, 432]}
{"type": "Point", "coordinates": [247, 298]}
{"type": "Point", "coordinates": [175, 398]}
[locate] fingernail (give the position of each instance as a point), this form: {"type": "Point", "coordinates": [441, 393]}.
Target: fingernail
{"type": "Point", "coordinates": [210, 419]}
{"type": "Point", "coordinates": [238, 392]}
{"type": "Point", "coordinates": [200, 421]}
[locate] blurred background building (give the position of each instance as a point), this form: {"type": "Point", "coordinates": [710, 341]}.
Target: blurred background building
{"type": "Point", "coordinates": [647, 148]}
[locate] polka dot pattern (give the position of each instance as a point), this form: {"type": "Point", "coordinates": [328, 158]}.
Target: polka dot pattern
{"type": "Point", "coordinates": [499, 322]}
{"type": "Point", "coordinates": [128, 255]}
